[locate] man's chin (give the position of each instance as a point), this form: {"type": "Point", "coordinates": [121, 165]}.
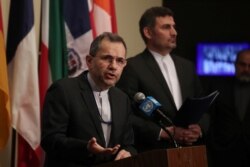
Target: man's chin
{"type": "Point", "coordinates": [110, 83]}
{"type": "Point", "coordinates": [173, 46]}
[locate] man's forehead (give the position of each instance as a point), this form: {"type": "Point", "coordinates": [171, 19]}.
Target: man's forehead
{"type": "Point", "coordinates": [108, 47]}
{"type": "Point", "coordinates": [165, 20]}
{"type": "Point", "coordinates": [245, 56]}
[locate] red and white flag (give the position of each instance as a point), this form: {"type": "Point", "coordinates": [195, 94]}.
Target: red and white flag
{"type": "Point", "coordinates": [22, 57]}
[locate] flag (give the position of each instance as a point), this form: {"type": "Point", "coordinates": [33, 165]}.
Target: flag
{"type": "Point", "coordinates": [4, 92]}
{"type": "Point", "coordinates": [57, 41]}
{"type": "Point", "coordinates": [104, 16]}
{"type": "Point", "coordinates": [79, 34]}
{"type": "Point", "coordinates": [22, 58]}
{"type": "Point", "coordinates": [53, 58]}
{"type": "Point", "coordinates": [84, 20]}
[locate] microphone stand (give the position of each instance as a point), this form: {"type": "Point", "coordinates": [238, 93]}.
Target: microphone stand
{"type": "Point", "coordinates": [169, 134]}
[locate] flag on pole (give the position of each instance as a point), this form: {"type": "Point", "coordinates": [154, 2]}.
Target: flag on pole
{"type": "Point", "coordinates": [22, 58]}
{"type": "Point", "coordinates": [4, 91]}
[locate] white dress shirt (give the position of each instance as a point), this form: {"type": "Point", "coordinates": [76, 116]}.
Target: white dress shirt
{"type": "Point", "coordinates": [102, 101]}
{"type": "Point", "coordinates": [168, 70]}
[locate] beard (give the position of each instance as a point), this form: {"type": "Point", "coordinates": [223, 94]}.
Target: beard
{"type": "Point", "coordinates": [245, 78]}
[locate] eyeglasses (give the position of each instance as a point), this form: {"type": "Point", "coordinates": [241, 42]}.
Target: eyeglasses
{"type": "Point", "coordinates": [109, 59]}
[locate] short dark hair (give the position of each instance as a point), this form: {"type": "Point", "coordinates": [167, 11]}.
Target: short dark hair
{"type": "Point", "coordinates": [244, 51]}
{"type": "Point", "coordinates": [112, 37]}
{"type": "Point", "coordinates": [149, 16]}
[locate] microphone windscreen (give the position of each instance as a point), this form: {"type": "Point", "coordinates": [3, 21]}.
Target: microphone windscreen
{"type": "Point", "coordinates": [139, 97]}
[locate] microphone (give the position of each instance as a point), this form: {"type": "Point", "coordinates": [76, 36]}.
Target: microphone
{"type": "Point", "coordinates": [150, 107]}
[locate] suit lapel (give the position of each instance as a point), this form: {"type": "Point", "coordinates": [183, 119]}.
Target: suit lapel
{"type": "Point", "coordinates": [153, 66]}
{"type": "Point", "coordinates": [247, 115]}
{"type": "Point", "coordinates": [246, 118]}
{"type": "Point", "coordinates": [90, 102]}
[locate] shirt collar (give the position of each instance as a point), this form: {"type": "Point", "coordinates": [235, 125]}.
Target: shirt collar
{"type": "Point", "coordinates": [94, 87]}
{"type": "Point", "coordinates": [159, 58]}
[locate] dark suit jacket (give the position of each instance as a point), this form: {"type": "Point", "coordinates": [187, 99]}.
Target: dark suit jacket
{"type": "Point", "coordinates": [229, 137]}
{"type": "Point", "coordinates": [228, 130]}
{"type": "Point", "coordinates": [142, 74]}
{"type": "Point", "coordinates": [70, 119]}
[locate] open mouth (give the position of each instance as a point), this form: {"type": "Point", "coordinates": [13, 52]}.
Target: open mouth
{"type": "Point", "coordinates": [110, 76]}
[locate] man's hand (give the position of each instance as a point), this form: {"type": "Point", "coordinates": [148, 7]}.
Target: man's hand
{"type": "Point", "coordinates": [194, 132]}
{"type": "Point", "coordinates": [95, 148]}
{"type": "Point", "coordinates": [188, 136]}
{"type": "Point", "coordinates": [164, 135]}
{"type": "Point", "coordinates": [122, 154]}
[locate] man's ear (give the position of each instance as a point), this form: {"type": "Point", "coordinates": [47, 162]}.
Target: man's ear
{"type": "Point", "coordinates": [89, 60]}
{"type": "Point", "coordinates": [147, 32]}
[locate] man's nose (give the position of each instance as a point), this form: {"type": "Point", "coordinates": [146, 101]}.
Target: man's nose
{"type": "Point", "coordinates": [113, 63]}
{"type": "Point", "coordinates": [173, 31]}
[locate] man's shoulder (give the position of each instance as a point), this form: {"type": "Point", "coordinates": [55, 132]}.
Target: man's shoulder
{"type": "Point", "coordinates": [118, 92]}
{"type": "Point", "coordinates": [140, 58]}
{"type": "Point", "coordinates": [136, 57]}
{"type": "Point", "coordinates": [182, 62]}
{"type": "Point", "coordinates": [177, 57]}
{"type": "Point", "coordinates": [67, 81]}
{"type": "Point", "coordinates": [70, 83]}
